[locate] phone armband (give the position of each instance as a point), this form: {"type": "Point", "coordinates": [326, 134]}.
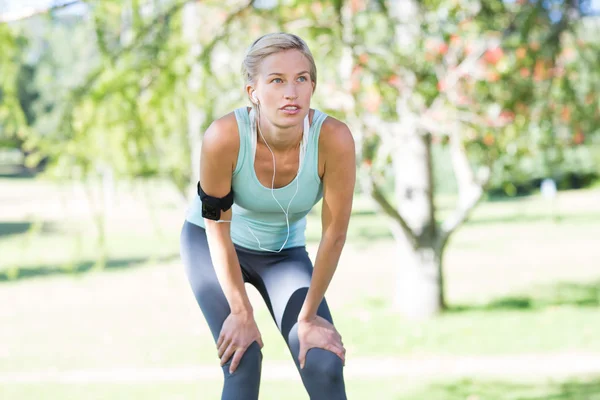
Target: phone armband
{"type": "Point", "coordinates": [212, 206]}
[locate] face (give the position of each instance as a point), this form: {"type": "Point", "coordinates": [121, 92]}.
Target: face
{"type": "Point", "coordinates": [284, 88]}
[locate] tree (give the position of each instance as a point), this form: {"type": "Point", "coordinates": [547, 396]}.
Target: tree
{"type": "Point", "coordinates": [496, 83]}
{"type": "Point", "coordinates": [445, 71]}
{"type": "Point", "coordinates": [13, 120]}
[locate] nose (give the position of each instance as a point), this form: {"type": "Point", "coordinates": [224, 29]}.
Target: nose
{"type": "Point", "coordinates": [290, 92]}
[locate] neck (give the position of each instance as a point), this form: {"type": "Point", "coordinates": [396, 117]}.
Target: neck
{"type": "Point", "coordinates": [280, 138]}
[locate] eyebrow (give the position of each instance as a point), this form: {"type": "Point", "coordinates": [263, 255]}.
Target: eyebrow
{"type": "Point", "coordinates": [279, 73]}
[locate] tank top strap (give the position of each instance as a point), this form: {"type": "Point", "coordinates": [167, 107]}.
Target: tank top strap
{"type": "Point", "coordinates": [245, 153]}
{"type": "Point", "coordinates": [318, 118]}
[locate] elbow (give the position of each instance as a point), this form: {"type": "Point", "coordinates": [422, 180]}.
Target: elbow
{"type": "Point", "coordinates": [337, 239]}
{"type": "Point", "coordinates": [215, 229]}
{"type": "Point", "coordinates": [211, 226]}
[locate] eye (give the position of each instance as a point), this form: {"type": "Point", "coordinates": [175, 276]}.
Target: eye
{"type": "Point", "coordinates": [277, 80]}
{"type": "Point", "coordinates": [302, 79]}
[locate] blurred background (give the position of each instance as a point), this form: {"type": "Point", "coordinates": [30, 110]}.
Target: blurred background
{"type": "Point", "coordinates": [471, 265]}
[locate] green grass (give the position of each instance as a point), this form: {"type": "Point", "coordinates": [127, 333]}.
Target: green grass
{"type": "Point", "coordinates": [47, 229]}
{"type": "Point", "coordinates": [503, 332]}
{"type": "Point", "coordinates": [397, 389]}
{"type": "Point", "coordinates": [270, 390]}
{"type": "Point", "coordinates": [146, 317]}
{"type": "Point", "coordinates": [520, 277]}
{"type": "Point", "coordinates": [490, 390]}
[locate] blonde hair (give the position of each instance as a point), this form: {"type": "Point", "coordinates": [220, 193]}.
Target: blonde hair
{"type": "Point", "coordinates": [273, 43]}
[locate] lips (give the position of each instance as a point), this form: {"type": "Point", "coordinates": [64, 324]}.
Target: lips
{"type": "Point", "coordinates": [290, 107]}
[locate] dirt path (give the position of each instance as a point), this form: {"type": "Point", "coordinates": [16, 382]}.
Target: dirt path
{"type": "Point", "coordinates": [563, 365]}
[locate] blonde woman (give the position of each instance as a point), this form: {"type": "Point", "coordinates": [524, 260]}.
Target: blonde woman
{"type": "Point", "coordinates": [262, 169]}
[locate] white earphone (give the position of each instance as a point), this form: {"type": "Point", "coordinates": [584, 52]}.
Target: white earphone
{"type": "Point", "coordinates": [255, 128]}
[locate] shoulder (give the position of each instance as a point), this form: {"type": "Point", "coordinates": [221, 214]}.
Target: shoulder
{"type": "Point", "coordinates": [222, 136]}
{"type": "Point", "coordinates": [336, 137]}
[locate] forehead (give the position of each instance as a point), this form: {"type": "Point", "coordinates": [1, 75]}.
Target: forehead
{"type": "Point", "coordinates": [285, 62]}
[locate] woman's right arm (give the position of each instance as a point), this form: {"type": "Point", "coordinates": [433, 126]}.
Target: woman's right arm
{"type": "Point", "coordinates": [217, 162]}
{"type": "Point", "coordinates": [220, 147]}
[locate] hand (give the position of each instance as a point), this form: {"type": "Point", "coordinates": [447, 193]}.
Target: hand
{"type": "Point", "coordinates": [237, 334]}
{"type": "Point", "coordinates": [318, 332]}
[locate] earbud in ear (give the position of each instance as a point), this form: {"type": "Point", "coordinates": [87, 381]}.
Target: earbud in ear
{"type": "Point", "coordinates": [254, 97]}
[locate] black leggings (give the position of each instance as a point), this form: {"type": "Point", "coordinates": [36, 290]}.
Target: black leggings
{"type": "Point", "coordinates": [283, 280]}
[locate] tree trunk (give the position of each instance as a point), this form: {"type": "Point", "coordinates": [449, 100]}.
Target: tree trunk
{"type": "Point", "coordinates": [420, 291]}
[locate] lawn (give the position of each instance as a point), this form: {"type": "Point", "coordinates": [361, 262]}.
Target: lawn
{"type": "Point", "coordinates": [397, 389]}
{"type": "Point", "coordinates": [519, 280]}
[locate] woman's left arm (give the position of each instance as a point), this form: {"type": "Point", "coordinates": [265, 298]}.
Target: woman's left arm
{"type": "Point", "coordinates": [339, 179]}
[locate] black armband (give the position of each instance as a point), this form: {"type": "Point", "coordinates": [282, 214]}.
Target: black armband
{"type": "Point", "coordinates": [212, 206]}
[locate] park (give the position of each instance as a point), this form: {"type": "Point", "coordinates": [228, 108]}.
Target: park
{"type": "Point", "coordinates": [478, 161]}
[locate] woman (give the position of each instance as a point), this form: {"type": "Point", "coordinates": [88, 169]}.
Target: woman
{"type": "Point", "coordinates": [262, 169]}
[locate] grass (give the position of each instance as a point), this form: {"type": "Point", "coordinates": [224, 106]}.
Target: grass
{"type": "Point", "coordinates": [146, 317]}
{"type": "Point", "coordinates": [292, 390]}
{"type": "Point", "coordinates": [520, 277]}
{"type": "Point", "coordinates": [581, 389]}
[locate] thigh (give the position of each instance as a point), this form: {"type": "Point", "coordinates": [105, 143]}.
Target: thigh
{"type": "Point", "coordinates": [283, 280]}
{"type": "Point", "coordinates": [202, 278]}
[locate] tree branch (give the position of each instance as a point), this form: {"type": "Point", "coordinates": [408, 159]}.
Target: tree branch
{"type": "Point", "coordinates": [29, 12]}
{"type": "Point", "coordinates": [470, 61]}
{"type": "Point", "coordinates": [452, 77]}
{"type": "Point", "coordinates": [383, 129]}
{"type": "Point", "coordinates": [470, 188]}
{"type": "Point", "coordinates": [226, 25]}
{"type": "Point", "coordinates": [373, 189]}
{"type": "Point", "coordinates": [156, 22]}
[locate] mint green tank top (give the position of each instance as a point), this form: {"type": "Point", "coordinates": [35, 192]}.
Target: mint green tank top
{"type": "Point", "coordinates": [258, 222]}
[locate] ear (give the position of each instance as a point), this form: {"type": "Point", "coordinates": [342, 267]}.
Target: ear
{"type": "Point", "coordinates": [251, 94]}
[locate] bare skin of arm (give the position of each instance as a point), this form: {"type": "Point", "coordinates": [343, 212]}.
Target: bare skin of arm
{"type": "Point", "coordinates": [220, 147]}
{"type": "Point", "coordinates": [339, 176]}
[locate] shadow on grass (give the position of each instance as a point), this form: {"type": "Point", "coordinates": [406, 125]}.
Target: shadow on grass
{"type": "Point", "coordinates": [16, 172]}
{"type": "Point", "coordinates": [14, 228]}
{"type": "Point", "coordinates": [79, 268]}
{"type": "Point", "coordinates": [560, 294]}
{"type": "Point", "coordinates": [529, 218]}
{"type": "Point", "coordinates": [481, 390]}
{"type": "Point", "coordinates": [21, 227]}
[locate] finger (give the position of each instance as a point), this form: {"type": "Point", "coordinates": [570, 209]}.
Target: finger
{"type": "Point", "coordinates": [237, 357]}
{"type": "Point", "coordinates": [224, 345]}
{"type": "Point", "coordinates": [340, 341]}
{"type": "Point", "coordinates": [339, 351]}
{"type": "Point", "coordinates": [301, 357]}
{"type": "Point", "coordinates": [227, 354]}
{"type": "Point", "coordinates": [220, 340]}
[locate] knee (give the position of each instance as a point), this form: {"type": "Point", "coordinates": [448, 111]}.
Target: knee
{"type": "Point", "coordinates": [252, 357]}
{"type": "Point", "coordinates": [249, 364]}
{"type": "Point", "coordinates": [323, 366]}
